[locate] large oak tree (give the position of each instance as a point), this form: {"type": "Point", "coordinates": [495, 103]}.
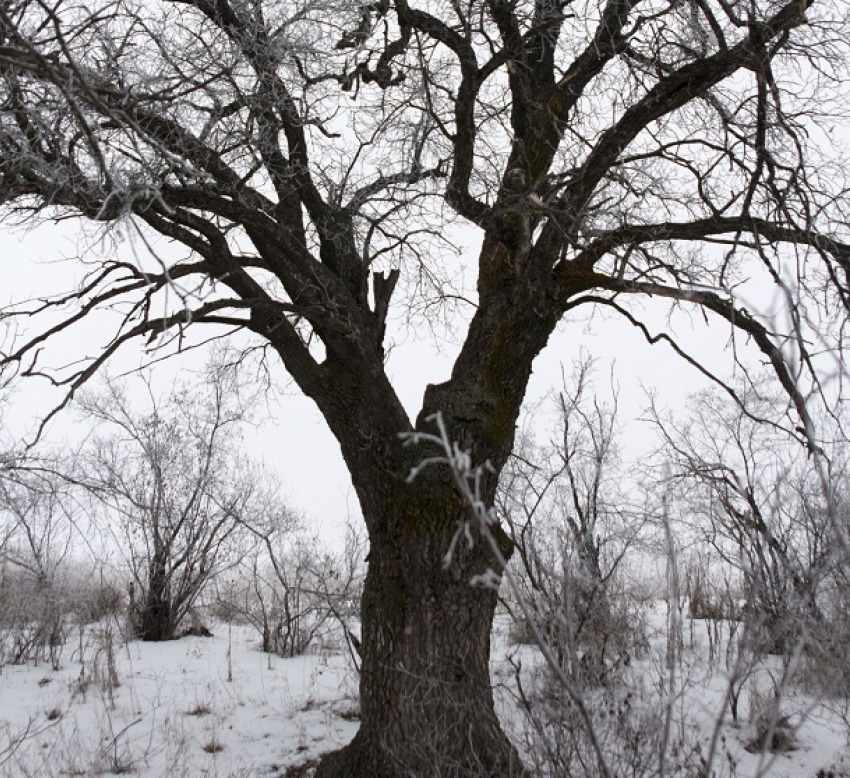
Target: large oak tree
{"type": "Point", "coordinates": [307, 156]}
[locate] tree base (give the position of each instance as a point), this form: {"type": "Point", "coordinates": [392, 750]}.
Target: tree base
{"type": "Point", "coordinates": [427, 757]}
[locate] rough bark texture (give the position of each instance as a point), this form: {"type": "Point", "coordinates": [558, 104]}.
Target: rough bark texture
{"type": "Point", "coordinates": [426, 700]}
{"type": "Point", "coordinates": [154, 620]}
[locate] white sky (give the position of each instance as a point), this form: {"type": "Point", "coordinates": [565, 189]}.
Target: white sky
{"type": "Point", "coordinates": [295, 442]}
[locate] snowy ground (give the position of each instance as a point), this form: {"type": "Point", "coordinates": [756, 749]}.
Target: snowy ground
{"type": "Point", "coordinates": [818, 732]}
{"type": "Point", "coordinates": [179, 708]}
{"type": "Point", "coordinates": [217, 706]}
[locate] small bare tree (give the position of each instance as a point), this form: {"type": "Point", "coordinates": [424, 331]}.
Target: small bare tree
{"type": "Point", "coordinates": [292, 591]}
{"type": "Point", "coordinates": [746, 491]}
{"type": "Point", "coordinates": [169, 484]}
{"type": "Point", "coordinates": [572, 523]}
{"type": "Point", "coordinates": [35, 540]}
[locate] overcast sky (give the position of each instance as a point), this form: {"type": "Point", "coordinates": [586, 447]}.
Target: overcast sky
{"type": "Point", "coordinates": [295, 440]}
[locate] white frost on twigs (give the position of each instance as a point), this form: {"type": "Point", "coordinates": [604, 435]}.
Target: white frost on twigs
{"type": "Point", "coordinates": [467, 478]}
{"type": "Point", "coordinates": [489, 579]}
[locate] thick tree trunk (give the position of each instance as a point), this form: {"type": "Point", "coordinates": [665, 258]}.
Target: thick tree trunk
{"type": "Point", "coordinates": [426, 699]}
{"type": "Point", "coordinates": [155, 618]}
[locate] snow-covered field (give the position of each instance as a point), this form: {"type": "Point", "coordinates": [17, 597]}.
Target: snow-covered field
{"type": "Point", "coordinates": [198, 706]}
{"type": "Point", "coordinates": [217, 706]}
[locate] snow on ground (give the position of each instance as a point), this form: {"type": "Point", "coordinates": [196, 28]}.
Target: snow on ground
{"type": "Point", "coordinates": [180, 708]}
{"type": "Point", "coordinates": [700, 712]}
{"type": "Point", "coordinates": [217, 706]}
{"type": "Point", "coordinates": [820, 737]}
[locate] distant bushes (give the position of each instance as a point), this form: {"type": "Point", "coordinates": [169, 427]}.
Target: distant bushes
{"type": "Point", "coordinates": [38, 612]}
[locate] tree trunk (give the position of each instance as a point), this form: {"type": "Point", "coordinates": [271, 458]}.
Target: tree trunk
{"type": "Point", "coordinates": [155, 619]}
{"type": "Point", "coordinates": [425, 693]}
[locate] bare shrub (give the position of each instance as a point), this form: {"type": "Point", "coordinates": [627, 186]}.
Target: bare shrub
{"type": "Point", "coordinates": [34, 619]}
{"type": "Point", "coordinates": [824, 664]}
{"type": "Point", "coordinates": [292, 592]}
{"type": "Point", "coordinates": [36, 520]}
{"type": "Point", "coordinates": [572, 525]}
{"type": "Point", "coordinates": [710, 594]}
{"type": "Point", "coordinates": [627, 726]}
{"type": "Point", "coordinates": [742, 489]}
{"type": "Point", "coordinates": [593, 637]}
{"type": "Point", "coordinates": [100, 601]}
{"type": "Point", "coordinates": [772, 731]}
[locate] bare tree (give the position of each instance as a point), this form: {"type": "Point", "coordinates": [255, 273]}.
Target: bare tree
{"type": "Point", "coordinates": [746, 493]}
{"type": "Point", "coordinates": [572, 521]}
{"type": "Point", "coordinates": [36, 527]}
{"type": "Point", "coordinates": [168, 483]}
{"type": "Point", "coordinates": [308, 157]}
{"type": "Point", "coordinates": [38, 531]}
{"type": "Point", "coordinates": [291, 590]}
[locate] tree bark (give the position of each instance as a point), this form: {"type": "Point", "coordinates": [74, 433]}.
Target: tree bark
{"type": "Point", "coordinates": [426, 698]}
{"type": "Point", "coordinates": [155, 619]}
{"type": "Point", "coordinates": [425, 693]}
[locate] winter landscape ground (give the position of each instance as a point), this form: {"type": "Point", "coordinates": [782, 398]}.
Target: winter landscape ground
{"type": "Point", "coordinates": [218, 706]}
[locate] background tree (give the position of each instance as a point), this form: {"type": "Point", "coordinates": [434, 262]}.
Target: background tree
{"type": "Point", "coordinates": [308, 156]}
{"type": "Point", "coordinates": [36, 527]}
{"type": "Point", "coordinates": [572, 522]}
{"type": "Point", "coordinates": [744, 493]}
{"type": "Point", "coordinates": [170, 485]}
{"type": "Point", "coordinates": [291, 591]}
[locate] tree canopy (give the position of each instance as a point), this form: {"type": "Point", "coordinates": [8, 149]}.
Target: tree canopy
{"type": "Point", "coordinates": [300, 151]}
